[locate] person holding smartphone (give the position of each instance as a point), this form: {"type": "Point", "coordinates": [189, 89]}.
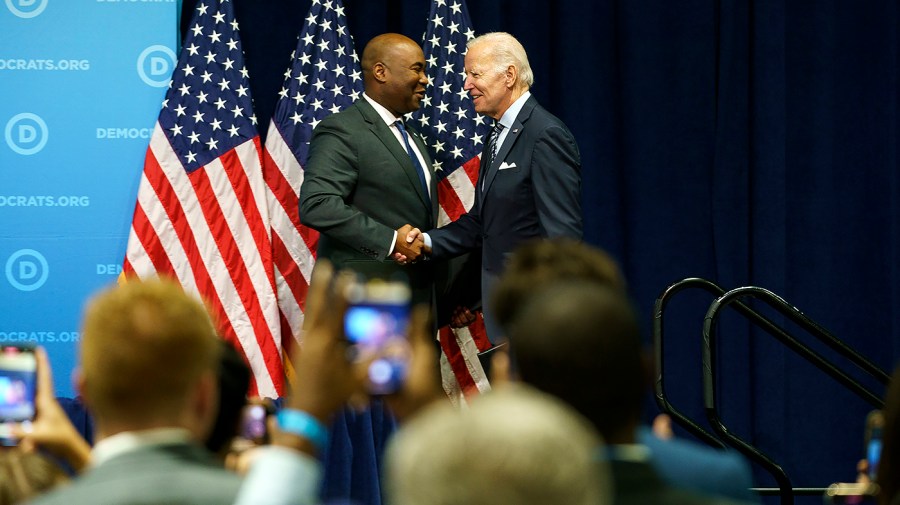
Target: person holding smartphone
{"type": "Point", "coordinates": [148, 377]}
{"type": "Point", "coordinates": [328, 377]}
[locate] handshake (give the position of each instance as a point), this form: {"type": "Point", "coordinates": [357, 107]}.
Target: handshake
{"type": "Point", "coordinates": [410, 246]}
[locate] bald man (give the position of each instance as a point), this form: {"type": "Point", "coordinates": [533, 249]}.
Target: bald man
{"type": "Point", "coordinates": [369, 178]}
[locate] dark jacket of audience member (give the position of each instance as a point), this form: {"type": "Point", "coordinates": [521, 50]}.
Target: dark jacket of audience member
{"type": "Point", "coordinates": [580, 341]}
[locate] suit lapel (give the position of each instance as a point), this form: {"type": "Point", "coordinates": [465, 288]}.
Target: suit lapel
{"type": "Point", "coordinates": [511, 137]}
{"type": "Point", "coordinates": [386, 136]}
{"type": "Point", "coordinates": [433, 201]}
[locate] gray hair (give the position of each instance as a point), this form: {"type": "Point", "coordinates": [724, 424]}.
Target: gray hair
{"type": "Point", "coordinates": [504, 50]}
{"type": "Point", "coordinates": [513, 446]}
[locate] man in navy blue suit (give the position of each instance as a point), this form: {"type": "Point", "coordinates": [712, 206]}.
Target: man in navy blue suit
{"type": "Point", "coordinates": [529, 183]}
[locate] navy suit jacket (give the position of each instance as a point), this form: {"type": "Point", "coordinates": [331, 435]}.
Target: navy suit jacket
{"type": "Point", "coordinates": [531, 190]}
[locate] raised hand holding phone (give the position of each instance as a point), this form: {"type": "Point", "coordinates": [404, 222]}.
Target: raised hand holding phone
{"type": "Point", "coordinates": [50, 427]}
{"type": "Point", "coordinates": [18, 383]}
{"type": "Point", "coordinates": [376, 325]}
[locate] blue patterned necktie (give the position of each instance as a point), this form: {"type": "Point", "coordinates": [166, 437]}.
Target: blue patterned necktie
{"type": "Point", "coordinates": [415, 159]}
{"type": "Point", "coordinates": [492, 141]}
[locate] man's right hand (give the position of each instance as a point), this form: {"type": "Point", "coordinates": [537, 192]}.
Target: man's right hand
{"type": "Point", "coordinates": [416, 235]}
{"type": "Point", "coordinates": [408, 250]}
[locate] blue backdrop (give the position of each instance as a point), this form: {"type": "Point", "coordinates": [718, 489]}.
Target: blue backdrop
{"type": "Point", "coordinates": [82, 82]}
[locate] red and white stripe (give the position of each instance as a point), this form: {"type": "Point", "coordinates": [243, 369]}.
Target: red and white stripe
{"type": "Point", "coordinates": [210, 230]}
{"type": "Point", "coordinates": [461, 371]}
{"type": "Point", "coordinates": [293, 245]}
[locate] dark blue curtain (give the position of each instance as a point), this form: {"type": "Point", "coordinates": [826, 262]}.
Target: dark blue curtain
{"type": "Point", "coordinates": [748, 142]}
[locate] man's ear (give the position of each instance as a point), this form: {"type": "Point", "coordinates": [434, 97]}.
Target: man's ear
{"type": "Point", "coordinates": [80, 385]}
{"type": "Point", "coordinates": [512, 75]}
{"type": "Point", "coordinates": [379, 70]}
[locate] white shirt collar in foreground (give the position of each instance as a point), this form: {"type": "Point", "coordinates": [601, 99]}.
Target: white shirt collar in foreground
{"type": "Point", "coordinates": [128, 441]}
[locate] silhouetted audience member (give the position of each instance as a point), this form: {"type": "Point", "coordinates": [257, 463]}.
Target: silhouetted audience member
{"type": "Point", "coordinates": [539, 262]}
{"type": "Point", "coordinates": [580, 341]}
{"type": "Point", "coordinates": [681, 463]}
{"type": "Point", "coordinates": [514, 446]}
{"type": "Point", "coordinates": [888, 476]}
{"type": "Point", "coordinates": [148, 376]}
{"type": "Point", "coordinates": [24, 475]}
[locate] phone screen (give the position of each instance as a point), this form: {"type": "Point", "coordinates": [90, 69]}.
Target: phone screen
{"type": "Point", "coordinates": [376, 324]}
{"type": "Point", "coordinates": [17, 383]}
{"type": "Point", "coordinates": [253, 423]}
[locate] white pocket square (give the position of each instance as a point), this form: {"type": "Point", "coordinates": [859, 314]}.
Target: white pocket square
{"type": "Point", "coordinates": [505, 165]}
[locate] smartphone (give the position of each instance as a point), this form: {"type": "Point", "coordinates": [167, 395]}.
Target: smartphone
{"type": "Point", "coordinates": [376, 325]}
{"type": "Point", "coordinates": [254, 423]}
{"type": "Point", "coordinates": [874, 424]}
{"type": "Point", "coordinates": [18, 383]}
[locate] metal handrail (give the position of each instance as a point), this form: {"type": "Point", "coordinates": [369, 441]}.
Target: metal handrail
{"type": "Point", "coordinates": [795, 315]}
{"type": "Point", "coordinates": [658, 332]}
{"type": "Point", "coordinates": [658, 329]}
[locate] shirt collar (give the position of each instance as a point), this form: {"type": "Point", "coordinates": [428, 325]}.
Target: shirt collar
{"type": "Point", "coordinates": [129, 441]}
{"type": "Point", "coordinates": [387, 116]}
{"type": "Point", "coordinates": [512, 112]}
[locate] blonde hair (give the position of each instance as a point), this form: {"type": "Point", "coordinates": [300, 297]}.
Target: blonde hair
{"type": "Point", "coordinates": [144, 346]}
{"type": "Point", "coordinates": [513, 446]}
{"type": "Point", "coordinates": [504, 51]}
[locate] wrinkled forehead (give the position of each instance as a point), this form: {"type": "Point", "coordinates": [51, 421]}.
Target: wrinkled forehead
{"type": "Point", "coordinates": [476, 60]}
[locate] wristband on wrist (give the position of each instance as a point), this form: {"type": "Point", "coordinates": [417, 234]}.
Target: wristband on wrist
{"type": "Point", "coordinates": [302, 424]}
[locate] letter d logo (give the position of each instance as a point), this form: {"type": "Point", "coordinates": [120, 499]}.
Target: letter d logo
{"type": "Point", "coordinates": [27, 270]}
{"type": "Point", "coordinates": [26, 8]}
{"type": "Point", "coordinates": [26, 133]}
{"type": "Point", "coordinates": [155, 65]}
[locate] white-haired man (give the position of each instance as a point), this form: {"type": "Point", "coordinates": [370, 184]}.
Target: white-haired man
{"type": "Point", "coordinates": [529, 184]}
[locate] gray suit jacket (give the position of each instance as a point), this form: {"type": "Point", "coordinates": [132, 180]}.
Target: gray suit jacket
{"type": "Point", "coordinates": [164, 474]}
{"type": "Point", "coordinates": [359, 186]}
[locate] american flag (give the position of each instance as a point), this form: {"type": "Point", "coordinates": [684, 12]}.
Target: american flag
{"type": "Point", "coordinates": [201, 213]}
{"type": "Point", "coordinates": [324, 78]}
{"type": "Point", "coordinates": [454, 133]}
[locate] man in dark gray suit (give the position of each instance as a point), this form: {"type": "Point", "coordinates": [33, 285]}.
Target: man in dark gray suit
{"type": "Point", "coordinates": [369, 178]}
{"type": "Point", "coordinates": [148, 377]}
{"type": "Point", "coordinates": [529, 184]}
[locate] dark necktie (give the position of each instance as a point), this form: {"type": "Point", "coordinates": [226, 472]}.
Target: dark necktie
{"type": "Point", "coordinates": [415, 159]}
{"type": "Point", "coordinates": [492, 141]}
